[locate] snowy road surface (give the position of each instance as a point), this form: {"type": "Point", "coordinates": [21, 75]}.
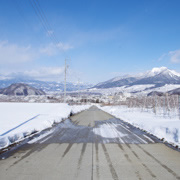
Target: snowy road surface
{"type": "Point", "coordinates": [91, 145]}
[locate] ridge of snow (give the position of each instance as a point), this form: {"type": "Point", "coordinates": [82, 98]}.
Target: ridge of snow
{"type": "Point", "coordinates": [120, 77]}
{"type": "Point", "coordinates": [158, 70]}
{"type": "Point", "coordinates": [162, 70]}
{"type": "Point", "coordinates": [155, 71]}
{"type": "Point", "coordinates": [175, 73]}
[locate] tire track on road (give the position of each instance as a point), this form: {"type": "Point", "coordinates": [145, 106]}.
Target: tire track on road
{"type": "Point", "coordinates": [141, 140]}
{"type": "Point", "coordinates": [80, 158]}
{"type": "Point", "coordinates": [67, 150]}
{"type": "Point", "coordinates": [146, 168]}
{"type": "Point", "coordinates": [97, 161]}
{"type": "Point", "coordinates": [159, 162]}
{"type": "Point", "coordinates": [130, 161]}
{"type": "Point", "coordinates": [112, 170]}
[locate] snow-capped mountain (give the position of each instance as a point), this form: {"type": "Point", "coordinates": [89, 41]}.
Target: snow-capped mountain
{"type": "Point", "coordinates": [160, 77]}
{"type": "Point", "coordinates": [156, 76]}
{"type": "Point", "coordinates": [43, 85]}
{"type": "Point", "coordinates": [154, 71]}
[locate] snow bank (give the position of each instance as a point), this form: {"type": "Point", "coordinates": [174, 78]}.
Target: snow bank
{"type": "Point", "coordinates": [19, 120]}
{"type": "Point", "coordinates": [162, 127]}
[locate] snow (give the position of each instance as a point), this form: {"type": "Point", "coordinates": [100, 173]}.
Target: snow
{"type": "Point", "coordinates": [108, 131]}
{"type": "Point", "coordinates": [120, 77]}
{"type": "Point", "coordinates": [163, 127]}
{"type": "Point", "coordinates": [175, 73]}
{"type": "Point", "coordinates": [158, 70]}
{"type": "Point", "coordinates": [40, 137]}
{"type": "Point", "coordinates": [19, 120]}
{"type": "Point", "coordinates": [139, 89]}
{"type": "Point", "coordinates": [155, 71]}
{"type": "Point", "coordinates": [143, 88]}
{"type": "Point", "coordinates": [165, 88]}
{"type": "Point", "coordinates": [127, 89]}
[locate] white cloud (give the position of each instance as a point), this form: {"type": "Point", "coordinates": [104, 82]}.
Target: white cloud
{"type": "Point", "coordinates": [12, 53]}
{"type": "Point", "coordinates": [64, 47]}
{"type": "Point", "coordinates": [53, 49]}
{"type": "Point", "coordinates": [162, 57]}
{"type": "Point", "coordinates": [15, 54]}
{"type": "Point", "coordinates": [175, 56]}
{"type": "Point", "coordinates": [49, 50]}
{"type": "Point", "coordinates": [46, 73]}
{"type": "Point", "coordinates": [172, 56]}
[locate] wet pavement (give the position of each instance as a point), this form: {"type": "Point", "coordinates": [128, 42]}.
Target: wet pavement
{"type": "Point", "coordinates": [91, 145]}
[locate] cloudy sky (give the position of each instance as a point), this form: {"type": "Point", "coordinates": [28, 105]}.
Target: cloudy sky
{"type": "Point", "coordinates": [100, 38]}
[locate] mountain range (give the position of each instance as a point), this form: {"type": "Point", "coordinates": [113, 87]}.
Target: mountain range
{"type": "Point", "coordinates": [46, 86]}
{"type": "Point", "coordinates": [157, 76]}
{"type": "Point", "coordinates": [157, 79]}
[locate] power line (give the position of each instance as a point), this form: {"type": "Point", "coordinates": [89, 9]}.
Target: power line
{"type": "Point", "coordinates": [45, 18]}
{"type": "Point", "coordinates": [45, 23]}
{"type": "Point", "coordinates": [21, 12]}
{"type": "Point", "coordinates": [47, 28]}
{"type": "Point", "coordinates": [40, 18]}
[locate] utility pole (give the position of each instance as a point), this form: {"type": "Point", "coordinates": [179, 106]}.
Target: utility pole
{"type": "Point", "coordinates": [78, 89]}
{"type": "Point", "coordinates": [65, 69]}
{"type": "Point", "coordinates": [179, 105]}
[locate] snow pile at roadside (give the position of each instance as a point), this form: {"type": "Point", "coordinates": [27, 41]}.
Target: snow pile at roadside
{"type": "Point", "coordinates": [162, 127]}
{"type": "Point", "coordinates": [19, 120]}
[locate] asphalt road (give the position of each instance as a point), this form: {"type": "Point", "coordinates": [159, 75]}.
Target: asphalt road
{"type": "Point", "coordinates": [91, 145]}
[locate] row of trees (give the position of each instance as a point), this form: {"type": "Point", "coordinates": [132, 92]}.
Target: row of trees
{"type": "Point", "coordinates": [168, 105]}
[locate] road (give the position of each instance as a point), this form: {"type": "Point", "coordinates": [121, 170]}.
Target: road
{"type": "Point", "coordinates": [92, 145]}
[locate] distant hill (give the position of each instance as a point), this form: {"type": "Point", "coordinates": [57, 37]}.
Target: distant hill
{"type": "Point", "coordinates": [20, 89]}
{"type": "Point", "coordinates": [174, 92]}
{"type": "Point", "coordinates": [46, 86]}
{"type": "Point", "coordinates": [156, 93]}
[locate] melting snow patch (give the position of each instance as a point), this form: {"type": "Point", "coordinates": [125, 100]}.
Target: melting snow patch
{"type": "Point", "coordinates": [108, 131]}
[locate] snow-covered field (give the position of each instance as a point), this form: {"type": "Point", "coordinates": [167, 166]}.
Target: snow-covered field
{"type": "Point", "coordinates": [166, 127]}
{"type": "Point", "coordinates": [135, 89]}
{"type": "Point", "coordinates": [18, 120]}
{"type": "Point", "coordinates": [127, 89]}
{"type": "Point", "coordinates": [167, 87]}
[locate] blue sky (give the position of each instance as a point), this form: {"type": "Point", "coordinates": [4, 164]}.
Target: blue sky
{"type": "Point", "coordinates": [102, 39]}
